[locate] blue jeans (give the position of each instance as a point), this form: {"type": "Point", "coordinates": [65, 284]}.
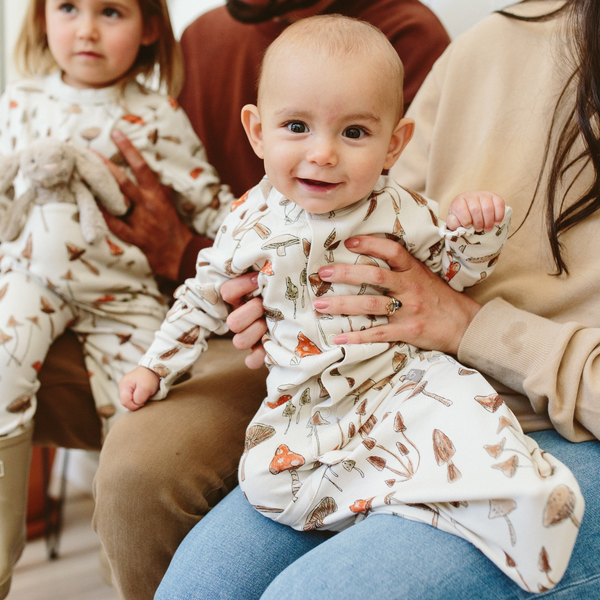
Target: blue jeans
{"type": "Point", "coordinates": [236, 553]}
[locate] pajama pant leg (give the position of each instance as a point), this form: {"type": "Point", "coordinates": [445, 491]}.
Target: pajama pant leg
{"type": "Point", "coordinates": [31, 318]}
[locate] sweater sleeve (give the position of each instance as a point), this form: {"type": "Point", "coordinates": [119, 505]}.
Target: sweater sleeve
{"type": "Point", "coordinates": [556, 365]}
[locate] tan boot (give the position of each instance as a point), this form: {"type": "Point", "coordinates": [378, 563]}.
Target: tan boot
{"type": "Point", "coordinates": [15, 457]}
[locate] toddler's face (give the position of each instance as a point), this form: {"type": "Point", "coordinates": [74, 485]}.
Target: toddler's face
{"type": "Point", "coordinates": [327, 129]}
{"type": "Point", "coordinates": [95, 42]}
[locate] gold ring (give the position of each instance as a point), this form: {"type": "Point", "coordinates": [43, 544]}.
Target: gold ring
{"type": "Point", "coordinates": [393, 305]}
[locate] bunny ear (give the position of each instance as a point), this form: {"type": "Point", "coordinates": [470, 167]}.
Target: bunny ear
{"type": "Point", "coordinates": [9, 167]}
{"type": "Point", "coordinates": [100, 181]}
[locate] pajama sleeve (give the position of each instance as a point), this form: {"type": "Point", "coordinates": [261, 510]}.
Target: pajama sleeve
{"type": "Point", "coordinates": [198, 311]}
{"type": "Point", "coordinates": [462, 257]}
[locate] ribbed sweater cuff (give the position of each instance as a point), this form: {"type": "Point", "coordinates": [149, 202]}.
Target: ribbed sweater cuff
{"type": "Point", "coordinates": [507, 343]}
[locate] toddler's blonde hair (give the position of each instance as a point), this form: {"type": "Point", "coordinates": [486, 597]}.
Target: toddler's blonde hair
{"type": "Point", "coordinates": [162, 58]}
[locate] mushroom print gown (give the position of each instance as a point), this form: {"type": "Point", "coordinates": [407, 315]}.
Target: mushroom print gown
{"type": "Point", "coordinates": [350, 431]}
{"type": "Point", "coordinates": [50, 278]}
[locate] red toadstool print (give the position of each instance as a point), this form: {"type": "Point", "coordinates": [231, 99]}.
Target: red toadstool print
{"type": "Point", "coordinates": [286, 460]}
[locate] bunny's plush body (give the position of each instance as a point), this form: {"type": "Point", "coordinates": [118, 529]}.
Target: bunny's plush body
{"type": "Point", "coordinates": [59, 172]}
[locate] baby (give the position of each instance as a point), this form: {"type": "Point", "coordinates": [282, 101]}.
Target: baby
{"type": "Point", "coordinates": [372, 428]}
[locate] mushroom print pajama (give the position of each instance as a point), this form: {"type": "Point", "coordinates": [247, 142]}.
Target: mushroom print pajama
{"type": "Point", "coordinates": [350, 431]}
{"type": "Point", "coordinates": [51, 279]}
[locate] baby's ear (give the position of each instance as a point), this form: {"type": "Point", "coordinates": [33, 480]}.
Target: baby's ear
{"type": "Point", "coordinates": [401, 135]}
{"type": "Point", "coordinates": [253, 127]}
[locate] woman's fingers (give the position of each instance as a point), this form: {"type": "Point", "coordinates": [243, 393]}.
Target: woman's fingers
{"type": "Point", "coordinates": [234, 291]}
{"type": "Point", "coordinates": [432, 316]}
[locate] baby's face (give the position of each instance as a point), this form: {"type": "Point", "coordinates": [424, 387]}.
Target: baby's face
{"type": "Point", "coordinates": [326, 130]}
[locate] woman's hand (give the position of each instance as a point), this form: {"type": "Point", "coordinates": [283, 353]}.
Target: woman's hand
{"type": "Point", "coordinates": [152, 224]}
{"type": "Point", "coordinates": [433, 316]}
{"type": "Point", "coordinates": [246, 320]}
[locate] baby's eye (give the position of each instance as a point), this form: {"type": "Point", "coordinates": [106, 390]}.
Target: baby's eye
{"type": "Point", "coordinates": [67, 7]}
{"type": "Point", "coordinates": [297, 127]}
{"type": "Point", "coordinates": [354, 133]}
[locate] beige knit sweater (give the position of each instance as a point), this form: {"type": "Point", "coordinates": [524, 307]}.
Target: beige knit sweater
{"type": "Point", "coordinates": [482, 117]}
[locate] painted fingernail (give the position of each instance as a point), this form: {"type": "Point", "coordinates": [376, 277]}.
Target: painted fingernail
{"type": "Point", "coordinates": [321, 303]}
{"type": "Point", "coordinates": [325, 272]}
{"type": "Point", "coordinates": [340, 339]}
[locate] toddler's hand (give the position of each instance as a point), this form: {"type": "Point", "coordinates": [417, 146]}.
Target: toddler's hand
{"type": "Point", "coordinates": [137, 386]}
{"type": "Point", "coordinates": [482, 210]}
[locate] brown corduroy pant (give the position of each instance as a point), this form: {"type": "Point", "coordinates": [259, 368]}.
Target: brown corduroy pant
{"type": "Point", "coordinates": [161, 468]}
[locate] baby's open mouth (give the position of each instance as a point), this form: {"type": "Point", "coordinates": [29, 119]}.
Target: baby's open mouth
{"type": "Point", "coordinates": [315, 183]}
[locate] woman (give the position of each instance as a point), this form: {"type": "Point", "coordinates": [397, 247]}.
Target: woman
{"type": "Point", "coordinates": [509, 107]}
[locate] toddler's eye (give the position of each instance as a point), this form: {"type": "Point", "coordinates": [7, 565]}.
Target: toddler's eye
{"type": "Point", "coordinates": [354, 133]}
{"type": "Point", "coordinates": [66, 7]}
{"type": "Point", "coordinates": [297, 127]}
{"type": "Point", "coordinates": [113, 13]}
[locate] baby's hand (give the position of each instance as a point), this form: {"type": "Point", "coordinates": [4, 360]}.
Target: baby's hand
{"type": "Point", "coordinates": [482, 210]}
{"type": "Point", "coordinates": [137, 386]}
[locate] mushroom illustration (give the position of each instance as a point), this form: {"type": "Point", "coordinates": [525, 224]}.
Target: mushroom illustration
{"type": "Point", "coordinates": [188, 338]}
{"type": "Point", "coordinates": [274, 315]}
{"type": "Point", "coordinates": [281, 400]}
{"type": "Point", "coordinates": [513, 565]}
{"type": "Point", "coordinates": [305, 347]}
{"type": "Point", "coordinates": [303, 285]}
{"type": "Point", "coordinates": [400, 427]}
{"type": "Point", "coordinates": [362, 506]}
{"type": "Point", "coordinates": [508, 467]}
{"type": "Point", "coordinates": [544, 565]}
{"type": "Point", "coordinates": [304, 399]}
{"type": "Point", "coordinates": [314, 422]}
{"type": "Point", "coordinates": [491, 403]}
{"type": "Point", "coordinates": [255, 435]}
{"type": "Point", "coordinates": [288, 411]}
{"type": "Point", "coordinates": [560, 506]}
{"type": "Point", "coordinates": [47, 309]}
{"type": "Point", "coordinates": [76, 253]}
{"type": "Point", "coordinates": [399, 361]}
{"type": "Point", "coordinates": [291, 292]}
{"type": "Point", "coordinates": [326, 507]}
{"type": "Point", "coordinates": [462, 371]}
{"type": "Point", "coordinates": [350, 465]}
{"type": "Point", "coordinates": [27, 252]}
{"type": "Point", "coordinates": [501, 508]}
{"type": "Point", "coordinates": [369, 443]}
{"type": "Point", "coordinates": [380, 464]}
{"type": "Point", "coordinates": [208, 293]}
{"type": "Point", "coordinates": [444, 450]}
{"type": "Point", "coordinates": [281, 243]}
{"type": "Point", "coordinates": [365, 259]}
{"type": "Point", "coordinates": [286, 460]}
{"type": "Point", "coordinates": [420, 389]}
{"type": "Point", "coordinates": [495, 450]}
{"type": "Point", "coordinates": [504, 422]}
{"type": "Point", "coordinates": [318, 286]}
{"type": "Point", "coordinates": [20, 404]}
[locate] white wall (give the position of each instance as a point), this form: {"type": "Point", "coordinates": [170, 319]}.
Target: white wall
{"type": "Point", "coordinates": [456, 15]}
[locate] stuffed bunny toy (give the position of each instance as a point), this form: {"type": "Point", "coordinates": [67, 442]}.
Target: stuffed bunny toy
{"type": "Point", "coordinates": [59, 172]}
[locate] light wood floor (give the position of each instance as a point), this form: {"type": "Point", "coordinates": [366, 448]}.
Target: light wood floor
{"type": "Point", "coordinates": [75, 574]}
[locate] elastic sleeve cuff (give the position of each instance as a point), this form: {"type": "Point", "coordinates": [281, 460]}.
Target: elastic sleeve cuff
{"type": "Point", "coordinates": [187, 267]}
